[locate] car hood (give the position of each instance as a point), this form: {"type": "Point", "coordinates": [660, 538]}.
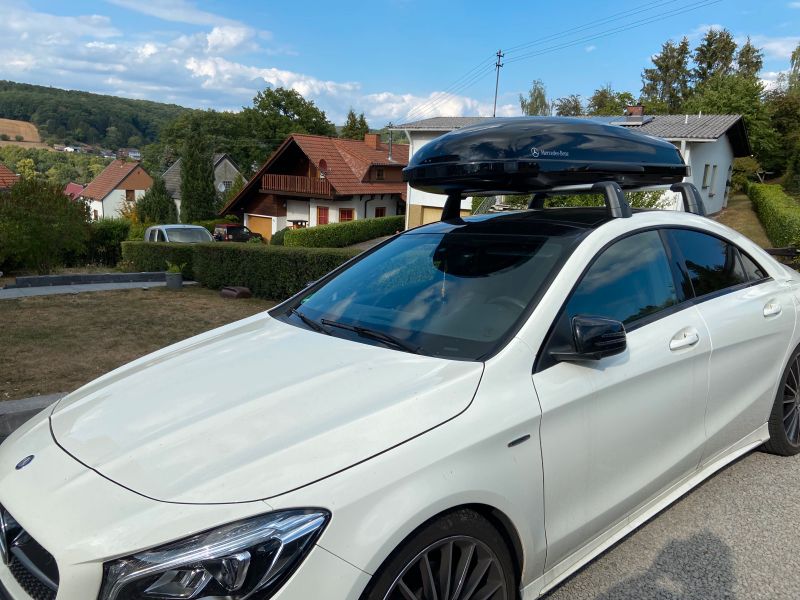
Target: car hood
{"type": "Point", "coordinates": [255, 409]}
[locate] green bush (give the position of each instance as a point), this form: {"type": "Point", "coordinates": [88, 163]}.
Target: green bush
{"type": "Point", "coordinates": [156, 205]}
{"type": "Point", "coordinates": [339, 235]}
{"type": "Point", "coordinates": [105, 239]}
{"type": "Point", "coordinates": [778, 212]}
{"type": "Point", "coordinates": [211, 223]}
{"type": "Point", "coordinates": [273, 272]}
{"type": "Point", "coordinates": [279, 237]}
{"type": "Point", "coordinates": [153, 256]}
{"type": "Point", "coordinates": [40, 227]}
{"type": "Point", "coordinates": [745, 170]}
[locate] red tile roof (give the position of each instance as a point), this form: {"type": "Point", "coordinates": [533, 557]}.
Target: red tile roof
{"type": "Point", "coordinates": [7, 177]}
{"type": "Point", "coordinates": [102, 185]}
{"type": "Point", "coordinates": [73, 190]}
{"type": "Point", "coordinates": [348, 165]}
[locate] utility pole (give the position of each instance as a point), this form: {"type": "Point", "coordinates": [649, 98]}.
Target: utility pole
{"type": "Point", "coordinates": [497, 66]}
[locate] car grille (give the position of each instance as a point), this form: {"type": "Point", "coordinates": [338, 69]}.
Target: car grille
{"type": "Point", "coordinates": [33, 567]}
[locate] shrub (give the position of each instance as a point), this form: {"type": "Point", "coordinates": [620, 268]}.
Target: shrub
{"type": "Point", "coordinates": [4, 137]}
{"type": "Point", "coordinates": [273, 272]}
{"type": "Point", "coordinates": [745, 170]}
{"type": "Point", "coordinates": [156, 205]}
{"type": "Point", "coordinates": [136, 231]}
{"type": "Point", "coordinates": [791, 179]}
{"type": "Point", "coordinates": [19, 138]}
{"type": "Point", "coordinates": [154, 256]}
{"type": "Point", "coordinates": [339, 235]}
{"type": "Point", "coordinates": [40, 227]}
{"type": "Point", "coordinates": [778, 212]}
{"type": "Point", "coordinates": [278, 237]}
{"type": "Point", "coordinates": [105, 239]}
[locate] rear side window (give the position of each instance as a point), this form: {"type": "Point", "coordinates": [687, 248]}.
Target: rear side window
{"type": "Point", "coordinates": [629, 281]}
{"type": "Point", "coordinates": [713, 265]}
{"type": "Point", "coordinates": [754, 272]}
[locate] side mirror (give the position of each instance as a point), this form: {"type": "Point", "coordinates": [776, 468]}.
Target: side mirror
{"type": "Point", "coordinates": [595, 338]}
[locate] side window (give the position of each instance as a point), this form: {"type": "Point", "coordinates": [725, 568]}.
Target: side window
{"type": "Point", "coordinates": [712, 263]}
{"type": "Point", "coordinates": [754, 272]}
{"type": "Point", "coordinates": [628, 281]}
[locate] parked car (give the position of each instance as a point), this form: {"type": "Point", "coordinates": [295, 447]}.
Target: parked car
{"type": "Point", "coordinates": [234, 232]}
{"type": "Point", "coordinates": [188, 234]}
{"type": "Point", "coordinates": [473, 409]}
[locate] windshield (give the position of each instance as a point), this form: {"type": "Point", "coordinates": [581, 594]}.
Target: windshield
{"type": "Point", "coordinates": [443, 294]}
{"type": "Point", "coordinates": [189, 235]}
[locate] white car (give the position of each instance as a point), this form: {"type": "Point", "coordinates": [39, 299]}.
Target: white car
{"type": "Point", "coordinates": [472, 410]}
{"type": "Point", "coordinates": [186, 234]}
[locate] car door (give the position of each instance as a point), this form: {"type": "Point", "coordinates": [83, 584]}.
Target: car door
{"type": "Point", "coordinates": [751, 318]}
{"type": "Point", "coordinates": [617, 431]}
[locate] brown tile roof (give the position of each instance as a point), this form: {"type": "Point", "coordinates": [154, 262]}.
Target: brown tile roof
{"type": "Point", "coordinates": [7, 177]}
{"type": "Point", "coordinates": [102, 185]}
{"type": "Point", "coordinates": [348, 164]}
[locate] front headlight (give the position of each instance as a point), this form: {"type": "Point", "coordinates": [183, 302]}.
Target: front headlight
{"type": "Point", "coordinates": [246, 560]}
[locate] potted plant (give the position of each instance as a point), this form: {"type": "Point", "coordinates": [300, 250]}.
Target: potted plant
{"type": "Point", "coordinates": [174, 275]}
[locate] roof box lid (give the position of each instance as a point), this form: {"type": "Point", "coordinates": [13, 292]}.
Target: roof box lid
{"type": "Point", "coordinates": [524, 154]}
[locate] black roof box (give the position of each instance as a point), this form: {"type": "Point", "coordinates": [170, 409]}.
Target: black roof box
{"type": "Point", "coordinates": [525, 154]}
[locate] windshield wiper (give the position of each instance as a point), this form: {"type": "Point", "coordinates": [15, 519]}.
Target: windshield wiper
{"type": "Point", "coordinates": [374, 334]}
{"type": "Point", "coordinates": [310, 322]}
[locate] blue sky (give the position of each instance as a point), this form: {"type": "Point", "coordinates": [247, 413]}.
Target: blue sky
{"type": "Point", "coordinates": [392, 59]}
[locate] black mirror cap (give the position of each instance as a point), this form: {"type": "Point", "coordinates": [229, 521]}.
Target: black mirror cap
{"type": "Point", "coordinates": [595, 338]}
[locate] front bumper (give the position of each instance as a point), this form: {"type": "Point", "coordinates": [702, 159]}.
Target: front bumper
{"type": "Point", "coordinates": [84, 520]}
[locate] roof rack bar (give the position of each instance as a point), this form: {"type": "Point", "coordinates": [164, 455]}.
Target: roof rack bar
{"type": "Point", "coordinates": [616, 202]}
{"type": "Point", "coordinates": [452, 207]}
{"type": "Point", "coordinates": [692, 200]}
{"type": "Point", "coordinates": [537, 201]}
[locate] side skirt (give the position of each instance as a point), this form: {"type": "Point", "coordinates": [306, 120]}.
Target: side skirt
{"type": "Point", "coordinates": [581, 557]}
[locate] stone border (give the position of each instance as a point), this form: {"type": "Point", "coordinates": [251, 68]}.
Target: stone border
{"type": "Point", "coordinates": [14, 413]}
{"type": "Point", "coordinates": [85, 278]}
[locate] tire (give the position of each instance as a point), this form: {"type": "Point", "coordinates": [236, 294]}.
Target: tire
{"type": "Point", "coordinates": [463, 540]}
{"type": "Point", "coordinates": [784, 421]}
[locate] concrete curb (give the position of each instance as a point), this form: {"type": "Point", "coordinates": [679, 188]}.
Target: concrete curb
{"type": "Point", "coordinates": [28, 281]}
{"type": "Point", "coordinates": [14, 413]}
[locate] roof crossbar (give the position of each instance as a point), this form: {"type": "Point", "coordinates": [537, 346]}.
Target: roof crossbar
{"type": "Point", "coordinates": [616, 202]}
{"type": "Point", "coordinates": [692, 200]}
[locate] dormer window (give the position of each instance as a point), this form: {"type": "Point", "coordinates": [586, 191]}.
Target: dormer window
{"type": "Point", "coordinates": [379, 174]}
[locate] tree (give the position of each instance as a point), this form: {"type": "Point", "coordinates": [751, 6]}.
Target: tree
{"type": "Point", "coordinates": [569, 106]}
{"type": "Point", "coordinates": [791, 180]}
{"type": "Point", "coordinates": [794, 71]}
{"type": "Point", "coordinates": [156, 205]}
{"type": "Point", "coordinates": [536, 103]}
{"type": "Point", "coordinates": [236, 187]}
{"type": "Point", "coordinates": [354, 127]}
{"type": "Point", "coordinates": [666, 86]}
{"type": "Point", "coordinates": [749, 60]}
{"type": "Point", "coordinates": [26, 168]}
{"type": "Point", "coordinates": [198, 196]}
{"type": "Point", "coordinates": [40, 226]}
{"type": "Point", "coordinates": [714, 55]}
{"type": "Point", "coordinates": [605, 101]}
{"type": "Point", "coordinates": [279, 112]}
{"type": "Point", "coordinates": [783, 107]}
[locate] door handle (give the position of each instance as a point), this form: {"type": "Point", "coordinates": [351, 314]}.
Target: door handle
{"type": "Point", "coordinates": [772, 309]}
{"type": "Point", "coordinates": [684, 339]}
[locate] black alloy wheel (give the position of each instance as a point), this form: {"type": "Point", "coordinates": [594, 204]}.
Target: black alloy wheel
{"type": "Point", "coordinates": [458, 556]}
{"type": "Point", "coordinates": [784, 422]}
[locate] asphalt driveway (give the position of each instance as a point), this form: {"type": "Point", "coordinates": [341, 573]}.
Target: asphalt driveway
{"type": "Point", "coordinates": [736, 536]}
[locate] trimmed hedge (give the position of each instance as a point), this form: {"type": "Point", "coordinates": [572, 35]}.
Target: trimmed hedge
{"type": "Point", "coordinates": [153, 256]}
{"type": "Point", "coordinates": [339, 235]}
{"type": "Point", "coordinates": [105, 237]}
{"type": "Point", "coordinates": [778, 212]}
{"type": "Point", "coordinates": [274, 272]}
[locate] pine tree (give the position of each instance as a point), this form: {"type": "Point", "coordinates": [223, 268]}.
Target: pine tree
{"type": "Point", "coordinates": [198, 196]}
{"type": "Point", "coordinates": [355, 127]}
{"type": "Point", "coordinates": [362, 126]}
{"type": "Point", "coordinates": [156, 206]}
{"type": "Point", "coordinates": [749, 60]}
{"type": "Point", "coordinates": [714, 55]}
{"type": "Point", "coordinates": [665, 87]}
{"type": "Point", "coordinates": [536, 103]}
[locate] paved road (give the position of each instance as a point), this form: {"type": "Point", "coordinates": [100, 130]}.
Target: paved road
{"type": "Point", "coordinates": [736, 536]}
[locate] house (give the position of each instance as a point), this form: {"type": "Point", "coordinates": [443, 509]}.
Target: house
{"type": "Point", "coordinates": [708, 144]}
{"type": "Point", "coordinates": [130, 153]}
{"type": "Point", "coordinates": [225, 173]}
{"type": "Point", "coordinates": [7, 178]}
{"type": "Point", "coordinates": [73, 190]}
{"type": "Point", "coordinates": [119, 182]}
{"type": "Point", "coordinates": [313, 180]}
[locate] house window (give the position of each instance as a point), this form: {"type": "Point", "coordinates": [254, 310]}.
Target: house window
{"type": "Point", "coordinates": [227, 185]}
{"type": "Point", "coordinates": [706, 174]}
{"type": "Point", "coordinates": [96, 216]}
{"type": "Point", "coordinates": [379, 174]}
{"type": "Point", "coordinates": [713, 180]}
{"type": "Point", "coordinates": [130, 196]}
{"type": "Point", "coordinates": [345, 214]}
{"type": "Point", "coordinates": [380, 211]}
{"type": "Point", "coordinates": [322, 215]}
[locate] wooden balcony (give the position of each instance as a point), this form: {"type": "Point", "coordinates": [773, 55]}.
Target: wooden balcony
{"type": "Point", "coordinates": [296, 186]}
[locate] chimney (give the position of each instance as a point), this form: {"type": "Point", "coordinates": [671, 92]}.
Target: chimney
{"type": "Point", "coordinates": [372, 140]}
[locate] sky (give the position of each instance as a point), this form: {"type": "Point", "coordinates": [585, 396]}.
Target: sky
{"type": "Point", "coordinates": [394, 60]}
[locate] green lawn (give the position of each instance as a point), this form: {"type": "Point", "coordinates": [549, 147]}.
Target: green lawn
{"type": "Point", "coordinates": [739, 215]}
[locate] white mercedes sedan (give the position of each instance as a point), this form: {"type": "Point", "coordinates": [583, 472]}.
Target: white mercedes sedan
{"type": "Point", "coordinates": [470, 411]}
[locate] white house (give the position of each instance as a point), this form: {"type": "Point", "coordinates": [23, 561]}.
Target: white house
{"type": "Point", "coordinates": [708, 144]}
{"type": "Point", "coordinates": [225, 173]}
{"type": "Point", "coordinates": [120, 182]}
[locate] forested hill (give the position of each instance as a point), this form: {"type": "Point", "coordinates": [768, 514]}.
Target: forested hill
{"type": "Point", "coordinates": [66, 116]}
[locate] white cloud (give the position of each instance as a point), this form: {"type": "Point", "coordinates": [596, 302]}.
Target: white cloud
{"type": "Point", "coordinates": [776, 47]}
{"type": "Point", "coordinates": [590, 48]}
{"type": "Point", "coordinates": [771, 79]}
{"type": "Point", "coordinates": [177, 11]}
{"type": "Point", "coordinates": [389, 106]}
{"type": "Point", "coordinates": [230, 38]}
{"type": "Point", "coordinates": [794, 4]}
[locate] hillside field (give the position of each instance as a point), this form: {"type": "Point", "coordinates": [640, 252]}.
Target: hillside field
{"type": "Point", "coordinates": [28, 131]}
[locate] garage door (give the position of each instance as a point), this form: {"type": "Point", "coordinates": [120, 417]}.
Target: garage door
{"type": "Point", "coordinates": [431, 214]}
{"type": "Point", "coordinates": [262, 225]}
